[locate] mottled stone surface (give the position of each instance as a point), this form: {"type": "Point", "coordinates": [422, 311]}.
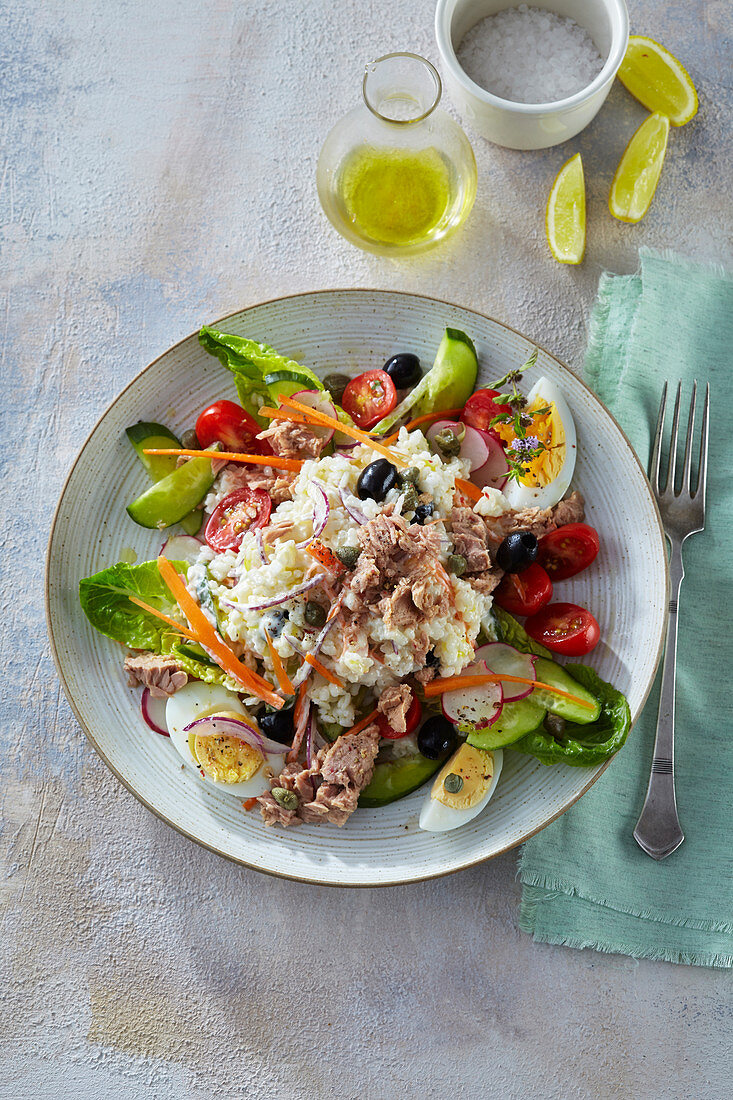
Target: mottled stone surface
{"type": "Point", "coordinates": [157, 171]}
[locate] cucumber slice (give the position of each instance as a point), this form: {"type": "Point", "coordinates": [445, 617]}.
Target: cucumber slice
{"type": "Point", "coordinates": [396, 778]}
{"type": "Point", "coordinates": [518, 717]}
{"type": "Point", "coordinates": [447, 385]}
{"type": "Point", "coordinates": [289, 382]}
{"type": "Point", "coordinates": [170, 499]}
{"type": "Point", "coordinates": [149, 434]}
{"type": "Point", "coordinates": [556, 675]}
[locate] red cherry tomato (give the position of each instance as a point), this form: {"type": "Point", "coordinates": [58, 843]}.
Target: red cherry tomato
{"type": "Point", "coordinates": [481, 408]}
{"type": "Point", "coordinates": [526, 592]}
{"type": "Point", "coordinates": [369, 397]}
{"type": "Point", "coordinates": [231, 425]}
{"type": "Point", "coordinates": [412, 720]}
{"type": "Point", "coordinates": [564, 628]}
{"type": "Point", "coordinates": [568, 550]}
{"type": "Point", "coordinates": [241, 511]}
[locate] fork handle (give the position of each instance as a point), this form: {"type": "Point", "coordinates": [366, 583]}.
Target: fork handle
{"type": "Point", "coordinates": [658, 830]}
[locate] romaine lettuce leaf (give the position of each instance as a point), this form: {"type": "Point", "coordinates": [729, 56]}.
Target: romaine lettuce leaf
{"type": "Point", "coordinates": [513, 633]}
{"type": "Point", "coordinates": [105, 601]}
{"type": "Point", "coordinates": [584, 746]}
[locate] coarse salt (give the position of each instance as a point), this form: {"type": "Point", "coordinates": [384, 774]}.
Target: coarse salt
{"type": "Point", "coordinates": [529, 55]}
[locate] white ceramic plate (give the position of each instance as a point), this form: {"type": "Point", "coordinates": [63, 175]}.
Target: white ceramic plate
{"type": "Point", "coordinates": [348, 330]}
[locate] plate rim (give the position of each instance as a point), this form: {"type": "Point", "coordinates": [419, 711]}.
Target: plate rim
{"type": "Point", "coordinates": [306, 879]}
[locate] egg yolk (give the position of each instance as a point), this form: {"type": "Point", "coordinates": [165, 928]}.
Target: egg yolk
{"type": "Point", "coordinates": [226, 759]}
{"type": "Point", "coordinates": [549, 430]}
{"type": "Point", "coordinates": [476, 769]}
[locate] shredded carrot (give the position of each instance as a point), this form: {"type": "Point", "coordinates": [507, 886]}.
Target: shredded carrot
{"type": "Point", "coordinates": [362, 725]}
{"type": "Point", "coordinates": [207, 636]}
{"type": "Point", "coordinates": [319, 418]}
{"type": "Point", "coordinates": [284, 682]}
{"type": "Point", "coordinates": [319, 667]}
{"type": "Point", "coordinates": [324, 556]}
{"type": "Point", "coordinates": [282, 414]}
{"type": "Point", "coordinates": [428, 418]}
{"type": "Point", "coordinates": [166, 618]}
{"type": "Point", "coordinates": [457, 683]}
{"type": "Point", "coordinates": [468, 489]}
{"type": "Point", "coordinates": [230, 456]}
{"type": "Point", "coordinates": [299, 703]}
{"type": "Point", "coordinates": [249, 804]}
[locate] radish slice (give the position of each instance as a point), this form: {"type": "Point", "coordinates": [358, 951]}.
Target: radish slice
{"type": "Point", "coordinates": [181, 548]}
{"type": "Point", "coordinates": [500, 657]}
{"type": "Point", "coordinates": [314, 399]}
{"type": "Point", "coordinates": [495, 469]}
{"type": "Point", "coordinates": [153, 712]}
{"type": "Point", "coordinates": [474, 708]}
{"type": "Point", "coordinates": [474, 449]}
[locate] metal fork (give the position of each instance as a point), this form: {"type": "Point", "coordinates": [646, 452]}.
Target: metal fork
{"type": "Point", "coordinates": [658, 829]}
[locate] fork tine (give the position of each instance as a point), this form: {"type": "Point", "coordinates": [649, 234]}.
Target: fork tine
{"type": "Point", "coordinates": [703, 474]}
{"type": "Point", "coordinates": [688, 442]}
{"type": "Point", "coordinates": [669, 482]}
{"type": "Point", "coordinates": [657, 446]}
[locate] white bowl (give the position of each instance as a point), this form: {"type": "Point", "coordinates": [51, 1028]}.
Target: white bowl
{"type": "Point", "coordinates": [335, 330]}
{"type": "Point", "coordinates": [530, 125]}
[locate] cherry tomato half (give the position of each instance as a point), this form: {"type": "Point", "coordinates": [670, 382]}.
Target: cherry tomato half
{"type": "Point", "coordinates": [231, 425]}
{"type": "Point", "coordinates": [564, 628]}
{"type": "Point", "coordinates": [241, 511]}
{"type": "Point", "coordinates": [369, 397]}
{"type": "Point", "coordinates": [481, 408]}
{"type": "Point", "coordinates": [412, 720]}
{"type": "Point", "coordinates": [568, 550]}
{"type": "Point", "coordinates": [526, 592]}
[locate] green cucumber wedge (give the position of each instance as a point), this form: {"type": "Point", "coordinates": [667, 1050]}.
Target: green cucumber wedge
{"type": "Point", "coordinates": [147, 434]}
{"type": "Point", "coordinates": [551, 673]}
{"type": "Point", "coordinates": [447, 385]}
{"type": "Point", "coordinates": [170, 499]}
{"type": "Point", "coordinates": [396, 778]}
{"type": "Point", "coordinates": [517, 717]}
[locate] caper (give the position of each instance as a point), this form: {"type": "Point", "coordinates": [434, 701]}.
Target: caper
{"type": "Point", "coordinates": [554, 724]}
{"type": "Point", "coordinates": [448, 440]}
{"type": "Point", "coordinates": [410, 476]}
{"type": "Point", "coordinates": [287, 799]}
{"type": "Point", "coordinates": [336, 383]}
{"type": "Point", "coordinates": [410, 499]}
{"type": "Point", "coordinates": [314, 614]}
{"type": "Point", "coordinates": [190, 441]}
{"type": "Point", "coordinates": [348, 555]}
{"type": "Point", "coordinates": [457, 564]}
{"type": "Point", "coordinates": [453, 783]}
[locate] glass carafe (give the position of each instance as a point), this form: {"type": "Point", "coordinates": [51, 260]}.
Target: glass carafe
{"type": "Point", "coordinates": [396, 175]}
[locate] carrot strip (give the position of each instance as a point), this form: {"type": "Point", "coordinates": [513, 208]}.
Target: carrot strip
{"type": "Point", "coordinates": [428, 418]}
{"type": "Point", "coordinates": [319, 418]}
{"type": "Point", "coordinates": [207, 636]}
{"type": "Point", "coordinates": [324, 556]}
{"type": "Point", "coordinates": [249, 804]}
{"type": "Point", "coordinates": [468, 489]}
{"type": "Point", "coordinates": [319, 667]}
{"type": "Point", "coordinates": [455, 683]}
{"type": "Point", "coordinates": [362, 725]}
{"type": "Point", "coordinates": [166, 618]}
{"type": "Point", "coordinates": [230, 456]}
{"type": "Point", "coordinates": [284, 682]}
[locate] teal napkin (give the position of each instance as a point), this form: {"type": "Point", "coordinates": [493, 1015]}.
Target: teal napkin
{"type": "Point", "coordinates": [586, 883]}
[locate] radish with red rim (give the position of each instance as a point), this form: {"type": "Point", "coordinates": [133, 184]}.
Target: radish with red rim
{"type": "Point", "coordinates": [495, 470]}
{"type": "Point", "coordinates": [473, 447]}
{"type": "Point", "coordinates": [500, 657]}
{"type": "Point", "coordinates": [153, 712]}
{"type": "Point", "coordinates": [474, 708]}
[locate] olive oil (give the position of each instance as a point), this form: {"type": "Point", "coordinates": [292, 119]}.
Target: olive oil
{"type": "Point", "coordinates": [396, 196]}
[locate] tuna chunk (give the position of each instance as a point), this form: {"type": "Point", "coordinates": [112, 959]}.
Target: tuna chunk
{"type": "Point", "coordinates": [570, 510]}
{"type": "Point", "coordinates": [540, 521]}
{"type": "Point", "coordinates": [469, 539]}
{"type": "Point", "coordinates": [275, 482]}
{"type": "Point", "coordinates": [290, 440]}
{"type": "Point", "coordinates": [329, 790]}
{"type": "Point", "coordinates": [394, 704]}
{"type": "Point", "coordinates": [162, 675]}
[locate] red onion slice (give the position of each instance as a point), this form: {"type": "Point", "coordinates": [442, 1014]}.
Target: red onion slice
{"type": "Point", "coordinates": [261, 545]}
{"type": "Point", "coordinates": [153, 712]}
{"type": "Point", "coordinates": [321, 512]}
{"type": "Point", "coordinates": [291, 595]}
{"type": "Point", "coordinates": [309, 741]}
{"type": "Point", "coordinates": [215, 726]}
{"type": "Point", "coordinates": [352, 505]}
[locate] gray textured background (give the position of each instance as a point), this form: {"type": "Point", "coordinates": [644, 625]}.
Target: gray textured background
{"type": "Point", "coordinates": [157, 172]}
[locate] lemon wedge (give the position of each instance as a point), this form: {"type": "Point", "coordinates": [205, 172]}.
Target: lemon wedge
{"type": "Point", "coordinates": [658, 80]}
{"type": "Point", "coordinates": [637, 175]}
{"type": "Point", "coordinates": [565, 214]}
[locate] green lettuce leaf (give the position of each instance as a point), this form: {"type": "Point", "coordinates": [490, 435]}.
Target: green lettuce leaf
{"type": "Point", "coordinates": [251, 363]}
{"type": "Point", "coordinates": [105, 601]}
{"type": "Point", "coordinates": [513, 633]}
{"type": "Point", "coordinates": [584, 746]}
{"type": "Point", "coordinates": [198, 664]}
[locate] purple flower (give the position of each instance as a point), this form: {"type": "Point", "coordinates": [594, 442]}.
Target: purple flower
{"type": "Point", "coordinates": [525, 446]}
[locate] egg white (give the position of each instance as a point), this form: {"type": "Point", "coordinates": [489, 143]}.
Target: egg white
{"type": "Point", "coordinates": [197, 700]}
{"type": "Point", "coordinates": [437, 818]}
{"type": "Point", "coordinates": [526, 496]}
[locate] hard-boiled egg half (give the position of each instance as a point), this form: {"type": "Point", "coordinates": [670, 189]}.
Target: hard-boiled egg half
{"type": "Point", "coordinates": [461, 789]}
{"type": "Point", "coordinates": [227, 763]}
{"type": "Point", "coordinates": [551, 472]}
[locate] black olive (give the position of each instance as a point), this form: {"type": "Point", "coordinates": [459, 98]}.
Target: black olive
{"type": "Point", "coordinates": [336, 384]}
{"type": "Point", "coordinates": [436, 737]}
{"type": "Point", "coordinates": [404, 370]}
{"type": "Point", "coordinates": [277, 724]}
{"type": "Point", "coordinates": [432, 659]}
{"type": "Point", "coordinates": [376, 480]}
{"type": "Point", "coordinates": [423, 512]}
{"type": "Point", "coordinates": [517, 552]}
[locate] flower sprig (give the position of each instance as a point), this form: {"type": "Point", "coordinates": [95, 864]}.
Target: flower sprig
{"type": "Point", "coordinates": [524, 447]}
